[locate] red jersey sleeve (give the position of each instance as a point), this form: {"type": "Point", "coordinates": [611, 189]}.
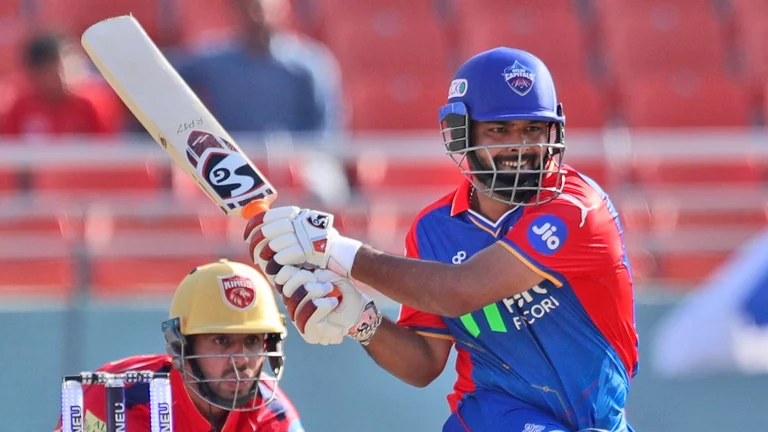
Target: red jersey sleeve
{"type": "Point", "coordinates": [11, 123]}
{"type": "Point", "coordinates": [426, 324]}
{"type": "Point", "coordinates": [565, 239]}
{"type": "Point", "coordinates": [280, 415]}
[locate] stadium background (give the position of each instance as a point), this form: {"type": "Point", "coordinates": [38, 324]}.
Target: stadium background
{"type": "Point", "coordinates": [665, 103]}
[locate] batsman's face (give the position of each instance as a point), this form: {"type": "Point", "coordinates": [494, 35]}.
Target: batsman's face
{"type": "Point", "coordinates": [510, 137]}
{"type": "Point", "coordinates": [234, 363]}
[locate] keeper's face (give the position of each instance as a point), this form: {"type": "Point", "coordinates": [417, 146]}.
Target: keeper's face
{"type": "Point", "coordinates": [230, 363]}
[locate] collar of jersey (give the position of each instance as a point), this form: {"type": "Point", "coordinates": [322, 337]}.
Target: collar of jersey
{"type": "Point", "coordinates": [460, 205]}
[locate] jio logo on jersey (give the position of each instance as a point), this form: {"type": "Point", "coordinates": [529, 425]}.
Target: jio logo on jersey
{"type": "Point", "coordinates": [547, 234]}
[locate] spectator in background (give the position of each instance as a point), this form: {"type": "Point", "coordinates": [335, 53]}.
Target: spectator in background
{"type": "Point", "coordinates": [46, 105]}
{"type": "Point", "coordinates": [267, 78]}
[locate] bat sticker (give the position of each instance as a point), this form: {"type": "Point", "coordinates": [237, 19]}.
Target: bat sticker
{"type": "Point", "coordinates": [222, 167]}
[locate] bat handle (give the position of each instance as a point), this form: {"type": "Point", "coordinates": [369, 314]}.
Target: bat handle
{"type": "Point", "coordinates": [254, 208]}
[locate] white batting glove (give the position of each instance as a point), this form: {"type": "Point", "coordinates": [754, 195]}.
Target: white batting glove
{"type": "Point", "coordinates": [294, 236]}
{"type": "Point", "coordinates": [319, 316]}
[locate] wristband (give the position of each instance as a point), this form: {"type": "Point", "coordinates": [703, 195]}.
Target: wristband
{"type": "Point", "coordinates": [342, 255]}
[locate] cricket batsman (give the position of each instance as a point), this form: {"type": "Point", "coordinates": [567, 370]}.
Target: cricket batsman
{"type": "Point", "coordinates": [522, 268]}
{"type": "Point", "coordinates": [224, 327]}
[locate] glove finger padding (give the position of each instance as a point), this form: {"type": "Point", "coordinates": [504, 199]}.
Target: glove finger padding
{"type": "Point", "coordinates": [277, 228]}
{"type": "Point", "coordinates": [295, 280]}
{"type": "Point", "coordinates": [291, 255]}
{"type": "Point", "coordinates": [252, 227]}
{"type": "Point", "coordinates": [284, 275]}
{"type": "Point", "coordinates": [313, 312]}
{"type": "Point", "coordinates": [256, 251]}
{"type": "Point", "coordinates": [303, 294]}
{"type": "Point", "coordinates": [271, 268]}
{"type": "Point", "coordinates": [271, 215]}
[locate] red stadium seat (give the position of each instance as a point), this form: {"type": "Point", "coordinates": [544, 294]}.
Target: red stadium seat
{"type": "Point", "coordinates": [201, 20]}
{"type": "Point", "coordinates": [9, 181]}
{"type": "Point", "coordinates": [131, 263]}
{"type": "Point", "coordinates": [11, 50]}
{"type": "Point", "coordinates": [755, 45]}
{"type": "Point", "coordinates": [54, 223]}
{"type": "Point", "coordinates": [755, 218]}
{"type": "Point", "coordinates": [635, 219]}
{"type": "Point", "coordinates": [593, 167]}
{"type": "Point", "coordinates": [405, 102]}
{"type": "Point", "coordinates": [652, 37]}
{"type": "Point", "coordinates": [746, 9]}
{"type": "Point", "coordinates": [688, 100]}
{"type": "Point", "coordinates": [10, 9]}
{"type": "Point", "coordinates": [75, 16]}
{"type": "Point", "coordinates": [129, 277]}
{"type": "Point", "coordinates": [35, 265]}
{"type": "Point", "coordinates": [665, 173]}
{"type": "Point", "coordinates": [111, 182]}
{"type": "Point", "coordinates": [683, 269]}
{"type": "Point", "coordinates": [107, 223]}
{"type": "Point", "coordinates": [549, 29]}
{"type": "Point", "coordinates": [376, 175]}
{"type": "Point", "coordinates": [378, 39]}
{"type": "Point", "coordinates": [585, 104]}
{"type": "Point", "coordinates": [50, 277]}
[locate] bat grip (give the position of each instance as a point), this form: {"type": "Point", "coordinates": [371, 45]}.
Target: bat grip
{"type": "Point", "coordinates": [254, 208]}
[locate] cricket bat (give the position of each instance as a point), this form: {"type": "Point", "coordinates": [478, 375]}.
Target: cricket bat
{"type": "Point", "coordinates": [175, 117]}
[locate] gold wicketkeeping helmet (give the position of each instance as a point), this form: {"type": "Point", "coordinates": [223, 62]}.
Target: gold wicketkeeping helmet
{"type": "Point", "coordinates": [225, 297]}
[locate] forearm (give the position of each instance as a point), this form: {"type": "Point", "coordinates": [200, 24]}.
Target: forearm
{"type": "Point", "coordinates": [428, 286]}
{"type": "Point", "coordinates": [406, 354]}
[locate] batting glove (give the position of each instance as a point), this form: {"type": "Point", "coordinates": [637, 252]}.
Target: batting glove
{"type": "Point", "coordinates": [294, 236]}
{"type": "Point", "coordinates": [322, 318]}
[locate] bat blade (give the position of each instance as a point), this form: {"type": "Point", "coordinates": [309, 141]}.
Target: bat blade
{"type": "Point", "coordinates": [175, 117]}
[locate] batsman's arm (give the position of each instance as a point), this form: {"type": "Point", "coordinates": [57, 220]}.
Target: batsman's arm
{"type": "Point", "coordinates": [445, 289]}
{"type": "Point", "coordinates": [413, 358]}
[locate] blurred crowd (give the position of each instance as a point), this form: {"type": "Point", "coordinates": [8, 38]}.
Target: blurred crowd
{"type": "Point", "coordinates": [263, 77]}
{"type": "Point", "coordinates": [331, 66]}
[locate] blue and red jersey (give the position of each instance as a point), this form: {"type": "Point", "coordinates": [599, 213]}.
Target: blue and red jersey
{"type": "Point", "coordinates": [277, 416]}
{"type": "Point", "coordinates": [568, 346]}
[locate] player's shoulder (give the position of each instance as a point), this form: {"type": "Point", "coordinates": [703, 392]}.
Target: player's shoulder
{"type": "Point", "coordinates": [152, 362]}
{"type": "Point", "coordinates": [279, 411]}
{"type": "Point", "coordinates": [280, 403]}
{"type": "Point", "coordinates": [438, 208]}
{"type": "Point", "coordinates": [579, 205]}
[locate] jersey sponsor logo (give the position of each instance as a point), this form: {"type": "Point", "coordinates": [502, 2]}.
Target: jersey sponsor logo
{"type": "Point", "coordinates": [529, 306]}
{"type": "Point", "coordinates": [525, 309]}
{"type": "Point", "coordinates": [238, 292]}
{"type": "Point", "coordinates": [459, 257]}
{"type": "Point", "coordinates": [547, 234]}
{"type": "Point", "coordinates": [530, 427]}
{"type": "Point", "coordinates": [520, 78]}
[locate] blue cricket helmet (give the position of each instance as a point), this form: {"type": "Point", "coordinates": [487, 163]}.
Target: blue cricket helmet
{"type": "Point", "coordinates": [505, 84]}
